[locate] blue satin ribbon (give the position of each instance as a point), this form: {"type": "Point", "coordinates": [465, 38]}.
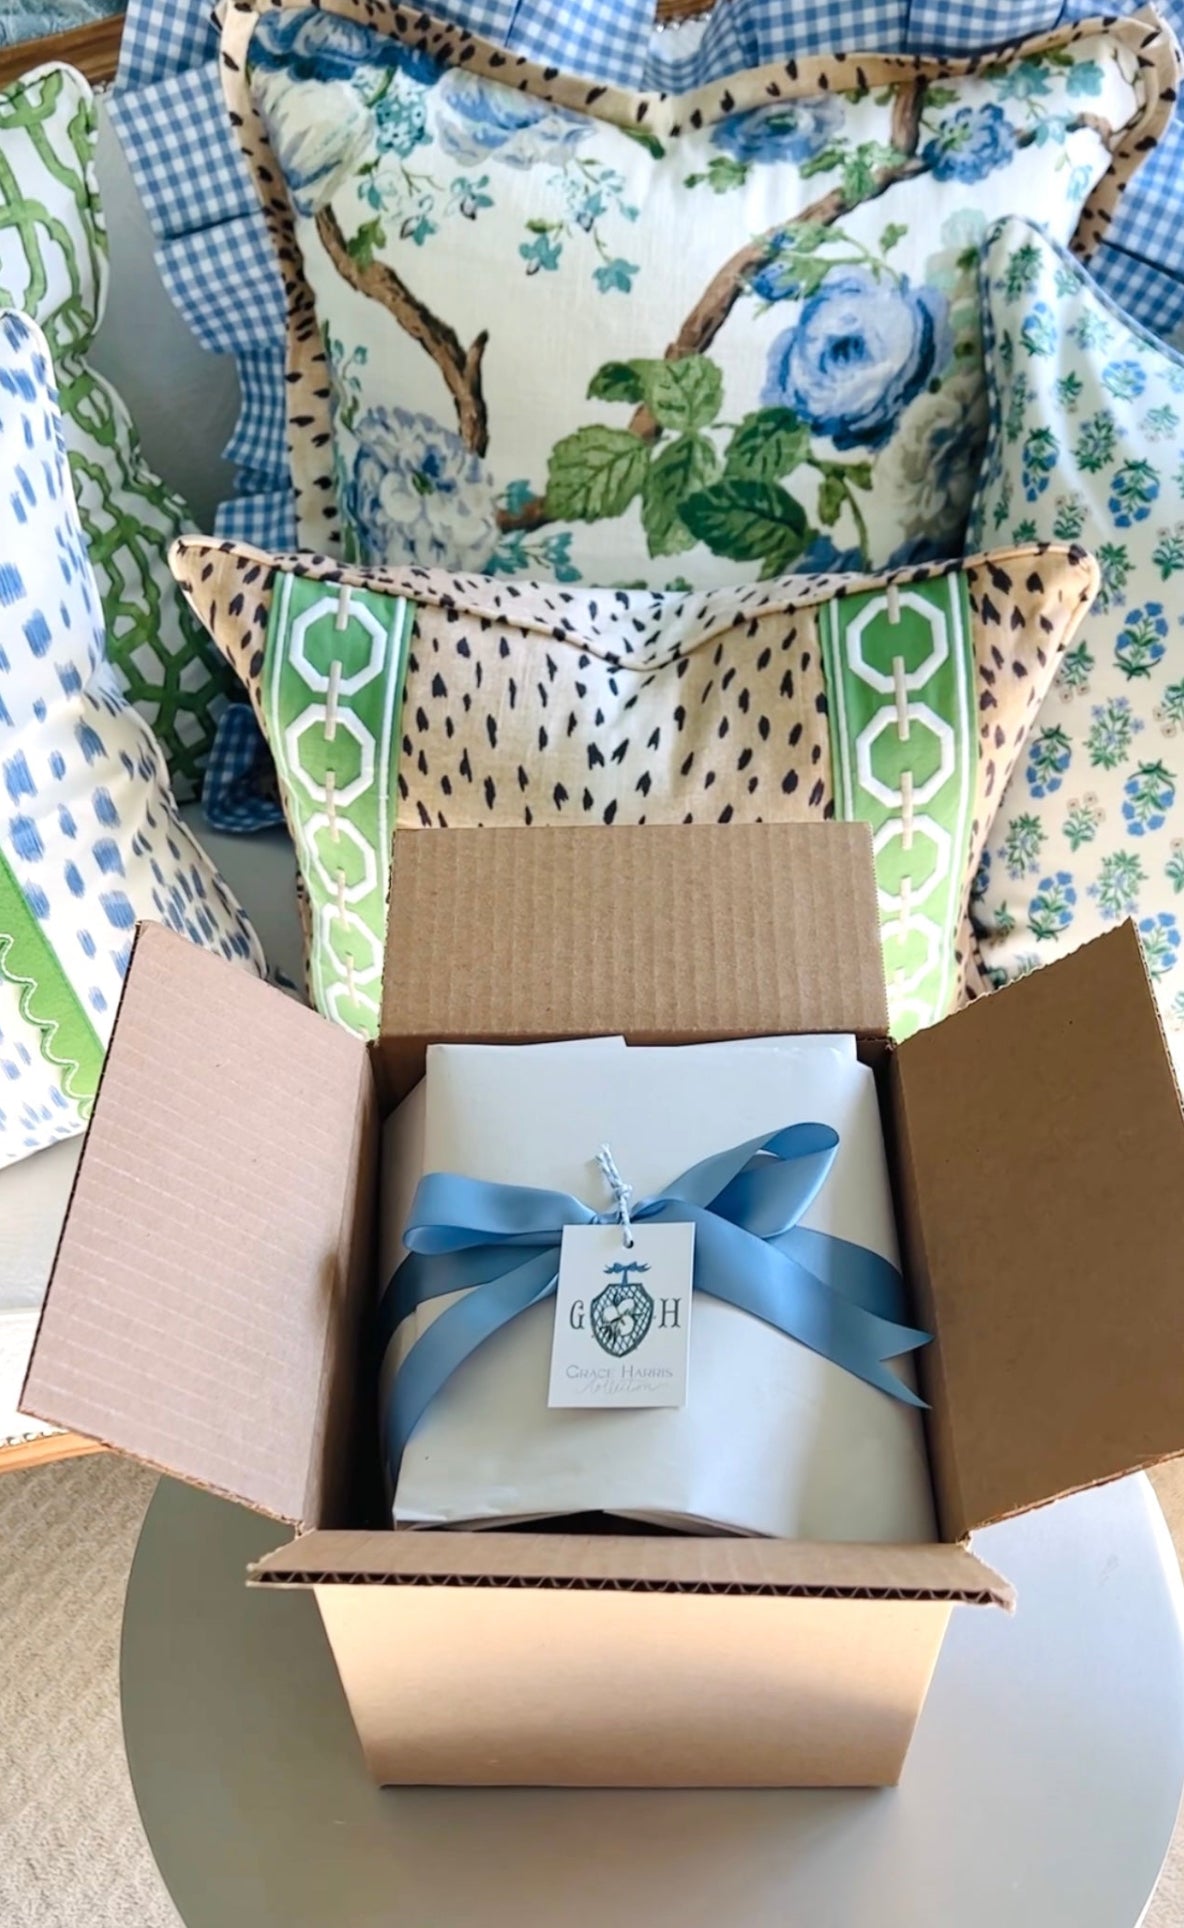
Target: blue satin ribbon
{"type": "Point", "coordinates": [503, 1241]}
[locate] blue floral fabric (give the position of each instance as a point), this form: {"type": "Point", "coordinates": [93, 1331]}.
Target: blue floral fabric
{"type": "Point", "coordinates": [498, 273]}
{"type": "Point", "coordinates": [1087, 445]}
{"type": "Point", "coordinates": [860, 351]}
{"type": "Point", "coordinates": [171, 119]}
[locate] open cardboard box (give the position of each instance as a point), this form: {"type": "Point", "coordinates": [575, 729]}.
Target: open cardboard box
{"type": "Point", "coordinates": [209, 1307]}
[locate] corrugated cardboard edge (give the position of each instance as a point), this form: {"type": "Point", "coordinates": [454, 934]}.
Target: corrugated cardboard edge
{"type": "Point", "coordinates": [636, 1564]}
{"type": "Point", "coordinates": [125, 1351]}
{"type": "Point", "coordinates": [88, 1442]}
{"type": "Point", "coordinates": [22, 1408]}
{"type": "Point", "coordinates": [1103, 992]}
{"type": "Point", "coordinates": [1162, 1459]}
{"type": "Point", "coordinates": [943, 1458]}
{"type": "Point", "coordinates": [653, 931]}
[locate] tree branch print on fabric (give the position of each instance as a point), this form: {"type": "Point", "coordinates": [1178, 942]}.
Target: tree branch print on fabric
{"type": "Point", "coordinates": [355, 262]}
{"type": "Point", "coordinates": [857, 341]}
{"type": "Point", "coordinates": [734, 279]}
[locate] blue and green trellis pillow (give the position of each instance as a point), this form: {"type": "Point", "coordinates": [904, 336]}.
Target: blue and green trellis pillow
{"type": "Point", "coordinates": [1087, 445]}
{"type": "Point", "coordinates": [543, 327]}
{"type": "Point", "coordinates": [90, 840]}
{"type": "Point", "coordinates": [54, 267]}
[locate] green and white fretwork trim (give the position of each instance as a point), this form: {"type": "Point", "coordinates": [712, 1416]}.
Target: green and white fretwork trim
{"type": "Point", "coordinates": [900, 672]}
{"type": "Point", "coordinates": [333, 697]}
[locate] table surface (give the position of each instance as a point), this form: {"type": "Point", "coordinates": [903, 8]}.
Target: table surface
{"type": "Point", "coordinates": [1041, 1788]}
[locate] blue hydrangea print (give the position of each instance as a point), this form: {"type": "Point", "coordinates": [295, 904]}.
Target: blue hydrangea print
{"type": "Point", "coordinates": [1133, 489]}
{"type": "Point", "coordinates": [1039, 332]}
{"type": "Point", "coordinates": [1160, 938]}
{"type": "Point", "coordinates": [1148, 796]}
{"type": "Point", "coordinates": [1124, 379]}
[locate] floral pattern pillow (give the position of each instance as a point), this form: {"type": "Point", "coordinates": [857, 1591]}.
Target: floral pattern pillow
{"type": "Point", "coordinates": [1087, 444]}
{"type": "Point", "coordinates": [543, 327]}
{"type": "Point", "coordinates": [54, 266]}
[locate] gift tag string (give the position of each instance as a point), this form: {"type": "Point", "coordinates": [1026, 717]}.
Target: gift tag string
{"type": "Point", "coordinates": [621, 1192]}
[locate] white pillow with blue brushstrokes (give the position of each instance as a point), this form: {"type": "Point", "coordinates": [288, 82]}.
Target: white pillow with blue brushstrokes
{"type": "Point", "coordinates": [90, 841]}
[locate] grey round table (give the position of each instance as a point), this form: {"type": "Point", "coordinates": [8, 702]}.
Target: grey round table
{"type": "Point", "coordinates": [1040, 1792]}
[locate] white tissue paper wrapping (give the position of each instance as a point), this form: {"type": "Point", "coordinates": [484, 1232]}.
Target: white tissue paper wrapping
{"type": "Point", "coordinates": [773, 1440]}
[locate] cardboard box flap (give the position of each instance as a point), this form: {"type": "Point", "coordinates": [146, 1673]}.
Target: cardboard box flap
{"type": "Point", "coordinates": [663, 932]}
{"type": "Point", "coordinates": [211, 1232]}
{"type": "Point", "coordinates": [634, 1563]}
{"type": "Point", "coordinates": [1043, 1144]}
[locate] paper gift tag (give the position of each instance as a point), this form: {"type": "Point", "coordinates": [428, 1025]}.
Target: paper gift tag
{"type": "Point", "coordinates": [622, 1317]}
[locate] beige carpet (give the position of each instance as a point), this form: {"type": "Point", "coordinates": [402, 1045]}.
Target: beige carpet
{"type": "Point", "coordinates": [72, 1853]}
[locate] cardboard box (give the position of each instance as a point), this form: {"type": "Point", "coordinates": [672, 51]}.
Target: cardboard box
{"type": "Point", "coordinates": [209, 1307]}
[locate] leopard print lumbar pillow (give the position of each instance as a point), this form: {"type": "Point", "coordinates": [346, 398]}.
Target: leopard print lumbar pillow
{"type": "Point", "coordinates": [403, 698]}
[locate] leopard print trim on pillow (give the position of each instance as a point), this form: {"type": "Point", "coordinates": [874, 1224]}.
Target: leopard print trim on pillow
{"type": "Point", "coordinates": [402, 699]}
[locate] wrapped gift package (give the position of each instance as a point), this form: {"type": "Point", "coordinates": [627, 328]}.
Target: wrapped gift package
{"type": "Point", "coordinates": [773, 1437]}
{"type": "Point", "coordinates": [212, 1307]}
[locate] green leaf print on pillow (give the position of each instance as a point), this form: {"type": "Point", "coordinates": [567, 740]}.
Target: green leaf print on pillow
{"type": "Point", "coordinates": [595, 472]}
{"type": "Point", "coordinates": [745, 513]}
{"type": "Point", "coordinates": [678, 473]}
{"type": "Point", "coordinates": [749, 521]}
{"type": "Point", "coordinates": [769, 443]}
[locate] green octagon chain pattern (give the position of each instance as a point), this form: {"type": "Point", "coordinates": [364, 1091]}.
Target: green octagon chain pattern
{"type": "Point", "coordinates": [335, 670]}
{"type": "Point", "coordinates": [53, 267]}
{"type": "Point", "coordinates": [904, 749]}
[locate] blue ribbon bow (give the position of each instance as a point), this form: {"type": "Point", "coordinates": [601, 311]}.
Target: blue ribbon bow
{"type": "Point", "coordinates": [839, 1299]}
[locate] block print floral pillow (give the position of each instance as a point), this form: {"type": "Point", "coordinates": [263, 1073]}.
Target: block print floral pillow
{"type": "Point", "coordinates": [543, 327]}
{"type": "Point", "coordinates": [1087, 445]}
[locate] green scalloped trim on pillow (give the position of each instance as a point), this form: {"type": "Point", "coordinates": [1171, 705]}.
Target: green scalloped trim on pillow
{"type": "Point", "coordinates": [904, 753]}
{"type": "Point", "coordinates": [333, 700]}
{"type": "Point", "coordinates": [47, 999]}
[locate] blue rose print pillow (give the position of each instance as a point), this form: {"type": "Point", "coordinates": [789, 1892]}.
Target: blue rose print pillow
{"type": "Point", "coordinates": [540, 327]}
{"type": "Point", "coordinates": [1087, 445]}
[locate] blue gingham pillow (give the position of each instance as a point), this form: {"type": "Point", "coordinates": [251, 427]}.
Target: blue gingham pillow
{"type": "Point", "coordinates": [90, 841]}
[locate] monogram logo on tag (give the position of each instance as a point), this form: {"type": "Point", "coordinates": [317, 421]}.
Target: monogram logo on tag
{"type": "Point", "coordinates": [622, 1317]}
{"type": "Point", "coordinates": [621, 1314]}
